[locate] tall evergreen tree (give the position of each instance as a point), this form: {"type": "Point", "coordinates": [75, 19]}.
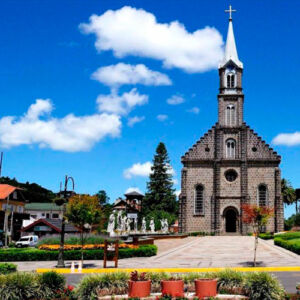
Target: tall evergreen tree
{"type": "Point", "coordinates": [160, 195]}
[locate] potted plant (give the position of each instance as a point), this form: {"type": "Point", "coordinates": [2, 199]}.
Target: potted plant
{"type": "Point", "coordinates": [205, 287]}
{"type": "Point", "coordinates": [138, 286]}
{"type": "Point", "coordinates": [172, 287]}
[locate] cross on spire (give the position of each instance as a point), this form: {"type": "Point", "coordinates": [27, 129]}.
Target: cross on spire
{"type": "Point", "coordinates": [230, 11]}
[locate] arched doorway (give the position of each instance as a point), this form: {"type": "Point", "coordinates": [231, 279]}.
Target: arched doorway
{"type": "Point", "coordinates": [231, 220]}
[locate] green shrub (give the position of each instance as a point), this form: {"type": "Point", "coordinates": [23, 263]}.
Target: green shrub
{"type": "Point", "coordinates": [266, 236]}
{"type": "Point", "coordinates": [71, 240]}
{"type": "Point", "coordinates": [201, 233]}
{"type": "Point", "coordinates": [90, 287]}
{"type": "Point", "coordinates": [21, 285]}
{"type": "Point", "coordinates": [32, 254]}
{"type": "Point", "coordinates": [230, 282]}
{"type": "Point", "coordinates": [289, 241]}
{"type": "Point", "coordinates": [6, 268]}
{"type": "Point", "coordinates": [261, 285]}
{"type": "Point", "coordinates": [53, 280]}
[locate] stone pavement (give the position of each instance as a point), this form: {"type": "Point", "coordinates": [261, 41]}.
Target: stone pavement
{"type": "Point", "coordinates": [198, 252]}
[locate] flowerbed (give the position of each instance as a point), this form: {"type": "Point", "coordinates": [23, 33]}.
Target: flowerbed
{"type": "Point", "coordinates": [32, 254]}
{"type": "Point", "coordinates": [256, 286]}
{"type": "Point", "coordinates": [289, 241]}
{"type": "Point", "coordinates": [85, 247]}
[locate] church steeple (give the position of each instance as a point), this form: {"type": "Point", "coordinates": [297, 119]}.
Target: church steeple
{"type": "Point", "coordinates": [230, 49]}
{"type": "Point", "coordinates": [231, 98]}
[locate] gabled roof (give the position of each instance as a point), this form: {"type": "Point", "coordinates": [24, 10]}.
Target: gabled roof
{"type": "Point", "coordinates": [231, 54]}
{"type": "Point", "coordinates": [42, 206]}
{"type": "Point", "coordinates": [54, 224]}
{"type": "Point", "coordinates": [6, 190]}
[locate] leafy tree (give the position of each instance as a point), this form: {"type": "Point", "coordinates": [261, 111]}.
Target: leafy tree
{"type": "Point", "coordinates": [288, 193]}
{"type": "Point", "coordinates": [83, 210]}
{"type": "Point", "coordinates": [31, 191]}
{"type": "Point", "coordinates": [257, 217]}
{"type": "Point", "coordinates": [160, 194]}
{"type": "Point", "coordinates": [102, 197]}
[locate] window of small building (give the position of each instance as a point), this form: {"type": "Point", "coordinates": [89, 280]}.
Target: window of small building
{"type": "Point", "coordinates": [55, 216]}
{"type": "Point", "coordinates": [199, 199]}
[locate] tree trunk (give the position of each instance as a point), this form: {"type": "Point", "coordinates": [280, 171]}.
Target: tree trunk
{"type": "Point", "coordinates": [81, 237]}
{"type": "Point", "coordinates": [296, 206]}
{"type": "Point", "coordinates": [255, 248]}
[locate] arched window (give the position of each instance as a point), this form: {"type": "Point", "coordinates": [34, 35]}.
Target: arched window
{"type": "Point", "coordinates": [230, 80]}
{"type": "Point", "coordinates": [262, 195]}
{"type": "Point", "coordinates": [199, 199]}
{"type": "Point", "coordinates": [230, 148]}
{"type": "Point", "coordinates": [230, 117]}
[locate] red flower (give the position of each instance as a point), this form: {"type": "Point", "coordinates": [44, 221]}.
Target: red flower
{"type": "Point", "coordinates": [70, 288]}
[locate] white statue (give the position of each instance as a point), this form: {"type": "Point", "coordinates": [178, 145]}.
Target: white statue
{"type": "Point", "coordinates": [135, 224]}
{"type": "Point", "coordinates": [119, 221]}
{"type": "Point", "coordinates": [165, 226]}
{"type": "Point", "coordinates": [152, 226]}
{"type": "Point", "coordinates": [144, 225]}
{"type": "Point", "coordinates": [111, 224]}
{"type": "Point", "coordinates": [124, 223]}
{"type": "Point", "coordinates": [128, 222]}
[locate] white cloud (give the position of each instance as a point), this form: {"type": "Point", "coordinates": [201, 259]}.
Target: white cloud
{"type": "Point", "coordinates": [119, 74]}
{"type": "Point", "coordinates": [70, 133]}
{"type": "Point", "coordinates": [133, 189]}
{"type": "Point", "coordinates": [138, 169]}
{"type": "Point", "coordinates": [132, 121]}
{"type": "Point", "coordinates": [144, 170]}
{"type": "Point", "coordinates": [175, 181]}
{"type": "Point", "coordinates": [121, 104]}
{"type": "Point", "coordinates": [131, 31]}
{"type": "Point", "coordinates": [287, 139]}
{"type": "Point", "coordinates": [177, 193]}
{"type": "Point", "coordinates": [162, 118]}
{"type": "Point", "coordinates": [194, 110]}
{"type": "Point", "coordinates": [175, 100]}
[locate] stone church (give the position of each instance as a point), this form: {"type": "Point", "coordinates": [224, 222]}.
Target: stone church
{"type": "Point", "coordinates": [230, 165]}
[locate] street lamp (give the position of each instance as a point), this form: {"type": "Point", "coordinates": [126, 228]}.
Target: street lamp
{"type": "Point", "coordinates": [61, 201]}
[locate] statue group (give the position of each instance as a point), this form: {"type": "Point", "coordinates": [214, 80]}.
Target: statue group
{"type": "Point", "coordinates": [122, 224]}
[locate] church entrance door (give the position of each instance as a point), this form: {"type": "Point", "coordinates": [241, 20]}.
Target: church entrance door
{"type": "Point", "coordinates": [231, 220]}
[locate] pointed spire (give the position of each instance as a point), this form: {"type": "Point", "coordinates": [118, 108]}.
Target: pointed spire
{"type": "Point", "coordinates": [230, 49]}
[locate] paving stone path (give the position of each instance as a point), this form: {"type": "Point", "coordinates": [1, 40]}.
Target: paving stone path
{"type": "Point", "coordinates": [198, 252]}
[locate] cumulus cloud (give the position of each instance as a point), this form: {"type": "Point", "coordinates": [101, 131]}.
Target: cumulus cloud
{"type": "Point", "coordinates": [121, 104]}
{"type": "Point", "coordinates": [133, 189]}
{"type": "Point", "coordinates": [175, 100]}
{"type": "Point", "coordinates": [162, 118]}
{"type": "Point", "coordinates": [70, 133]}
{"type": "Point", "coordinates": [138, 169]}
{"type": "Point", "coordinates": [143, 170]}
{"type": "Point", "coordinates": [287, 139]}
{"type": "Point", "coordinates": [120, 74]}
{"type": "Point", "coordinates": [132, 121]}
{"type": "Point", "coordinates": [131, 31]}
{"type": "Point", "coordinates": [194, 110]}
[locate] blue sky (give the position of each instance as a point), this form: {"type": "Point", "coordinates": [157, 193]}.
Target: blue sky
{"type": "Point", "coordinates": [46, 54]}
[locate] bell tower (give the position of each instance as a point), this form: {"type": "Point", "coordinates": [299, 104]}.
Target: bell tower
{"type": "Point", "coordinates": [231, 97]}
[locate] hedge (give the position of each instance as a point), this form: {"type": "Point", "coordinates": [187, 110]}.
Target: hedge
{"type": "Point", "coordinates": [266, 236]}
{"type": "Point", "coordinates": [289, 241]}
{"type": "Point", "coordinates": [32, 254]}
{"type": "Point", "coordinates": [6, 268]}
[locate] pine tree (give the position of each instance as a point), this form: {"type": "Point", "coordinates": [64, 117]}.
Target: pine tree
{"type": "Point", "coordinates": [160, 194]}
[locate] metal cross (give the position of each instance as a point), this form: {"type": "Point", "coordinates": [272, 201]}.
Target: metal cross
{"type": "Point", "coordinates": [230, 11]}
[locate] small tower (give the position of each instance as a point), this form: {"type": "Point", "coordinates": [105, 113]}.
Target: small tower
{"type": "Point", "coordinates": [231, 98]}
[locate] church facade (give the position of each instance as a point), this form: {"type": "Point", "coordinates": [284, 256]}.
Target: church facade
{"type": "Point", "coordinates": [230, 165]}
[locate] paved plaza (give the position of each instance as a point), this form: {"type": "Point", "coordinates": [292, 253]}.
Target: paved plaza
{"type": "Point", "coordinates": [198, 252]}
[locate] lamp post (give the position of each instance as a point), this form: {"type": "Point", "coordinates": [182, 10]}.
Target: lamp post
{"type": "Point", "coordinates": [61, 201]}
